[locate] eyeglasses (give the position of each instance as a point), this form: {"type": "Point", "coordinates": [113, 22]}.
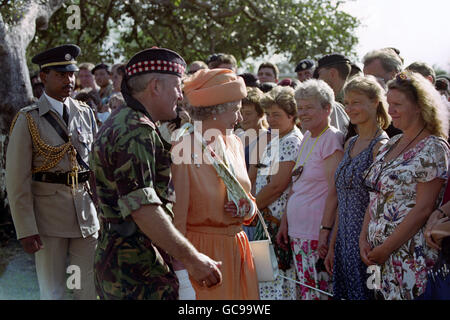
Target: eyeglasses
{"type": "Point", "coordinates": [372, 187]}
{"type": "Point", "coordinates": [402, 80]}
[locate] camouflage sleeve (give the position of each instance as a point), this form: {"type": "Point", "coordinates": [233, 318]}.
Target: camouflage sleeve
{"type": "Point", "coordinates": [135, 171]}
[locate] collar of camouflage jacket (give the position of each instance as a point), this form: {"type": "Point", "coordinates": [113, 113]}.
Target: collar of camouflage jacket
{"type": "Point", "coordinates": [132, 102]}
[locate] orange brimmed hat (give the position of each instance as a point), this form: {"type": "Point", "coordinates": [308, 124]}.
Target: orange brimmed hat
{"type": "Point", "coordinates": [212, 87]}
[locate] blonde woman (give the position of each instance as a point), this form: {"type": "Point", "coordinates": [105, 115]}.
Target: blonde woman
{"type": "Point", "coordinates": [406, 182]}
{"type": "Point", "coordinates": [366, 105]}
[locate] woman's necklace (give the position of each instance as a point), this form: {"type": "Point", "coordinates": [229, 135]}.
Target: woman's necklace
{"type": "Point", "coordinates": [298, 170]}
{"type": "Point", "coordinates": [404, 147]}
{"type": "Point", "coordinates": [385, 164]}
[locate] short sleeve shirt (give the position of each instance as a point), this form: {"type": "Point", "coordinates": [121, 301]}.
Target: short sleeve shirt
{"type": "Point", "coordinates": [132, 165]}
{"type": "Point", "coordinates": [307, 202]}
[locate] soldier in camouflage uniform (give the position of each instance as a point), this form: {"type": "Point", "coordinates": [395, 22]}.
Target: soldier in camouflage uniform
{"type": "Point", "coordinates": [138, 242]}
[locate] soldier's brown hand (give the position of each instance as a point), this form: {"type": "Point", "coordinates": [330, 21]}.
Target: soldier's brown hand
{"type": "Point", "coordinates": [32, 243]}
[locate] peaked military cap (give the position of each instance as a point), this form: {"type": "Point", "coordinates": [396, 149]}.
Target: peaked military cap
{"type": "Point", "coordinates": [332, 59]}
{"type": "Point", "coordinates": [61, 58]}
{"type": "Point", "coordinates": [101, 66]}
{"type": "Point", "coordinates": [304, 64]}
{"type": "Point", "coordinates": [156, 60]}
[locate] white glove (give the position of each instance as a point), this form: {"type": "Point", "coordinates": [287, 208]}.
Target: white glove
{"type": "Point", "coordinates": [186, 291]}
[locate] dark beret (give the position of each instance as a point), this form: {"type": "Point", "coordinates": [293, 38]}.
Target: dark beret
{"type": "Point", "coordinates": [61, 58]}
{"type": "Point", "coordinates": [304, 64]}
{"type": "Point", "coordinates": [101, 66]}
{"type": "Point", "coordinates": [267, 86]}
{"type": "Point", "coordinates": [158, 60]}
{"type": "Point", "coordinates": [332, 59]}
{"type": "Point", "coordinates": [250, 79]}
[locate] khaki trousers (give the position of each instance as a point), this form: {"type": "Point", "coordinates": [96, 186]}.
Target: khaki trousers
{"type": "Point", "coordinates": [52, 264]}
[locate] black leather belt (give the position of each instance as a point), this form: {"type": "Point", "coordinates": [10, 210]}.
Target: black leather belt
{"type": "Point", "coordinates": [60, 177]}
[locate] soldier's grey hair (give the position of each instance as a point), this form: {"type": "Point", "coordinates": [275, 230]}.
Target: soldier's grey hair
{"type": "Point", "coordinates": [316, 89]}
{"type": "Point", "coordinates": [139, 83]}
{"type": "Point", "coordinates": [424, 69]}
{"type": "Point", "coordinates": [203, 113]}
{"type": "Point", "coordinates": [389, 59]}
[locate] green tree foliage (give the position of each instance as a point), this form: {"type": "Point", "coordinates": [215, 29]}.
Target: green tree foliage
{"type": "Point", "coordinates": [112, 29]}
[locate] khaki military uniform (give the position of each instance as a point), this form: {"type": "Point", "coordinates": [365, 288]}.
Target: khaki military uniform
{"type": "Point", "coordinates": [63, 216]}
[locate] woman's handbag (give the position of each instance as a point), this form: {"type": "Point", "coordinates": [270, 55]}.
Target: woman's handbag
{"type": "Point", "coordinates": [438, 281]}
{"type": "Point", "coordinates": [266, 263]}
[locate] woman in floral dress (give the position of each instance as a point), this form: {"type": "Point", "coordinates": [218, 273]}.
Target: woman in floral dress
{"type": "Point", "coordinates": [406, 182]}
{"type": "Point", "coordinates": [273, 176]}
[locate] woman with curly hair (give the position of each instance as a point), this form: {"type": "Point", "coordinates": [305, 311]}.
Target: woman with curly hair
{"type": "Point", "coordinates": [406, 182]}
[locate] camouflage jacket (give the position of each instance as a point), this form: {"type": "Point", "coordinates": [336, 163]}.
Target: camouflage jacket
{"type": "Point", "coordinates": [131, 165]}
{"type": "Point", "coordinates": [132, 169]}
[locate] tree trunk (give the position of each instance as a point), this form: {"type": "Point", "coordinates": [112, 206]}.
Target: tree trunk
{"type": "Point", "coordinates": [15, 86]}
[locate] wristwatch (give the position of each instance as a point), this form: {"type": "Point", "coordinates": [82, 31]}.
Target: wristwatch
{"type": "Point", "coordinates": [326, 228]}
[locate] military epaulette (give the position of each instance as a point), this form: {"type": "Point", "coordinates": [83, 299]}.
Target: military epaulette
{"type": "Point", "coordinates": [29, 108]}
{"type": "Point", "coordinates": [82, 103]}
{"type": "Point", "coordinates": [24, 110]}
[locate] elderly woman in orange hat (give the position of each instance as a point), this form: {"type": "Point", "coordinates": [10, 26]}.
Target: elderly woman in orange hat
{"type": "Point", "coordinates": [203, 210]}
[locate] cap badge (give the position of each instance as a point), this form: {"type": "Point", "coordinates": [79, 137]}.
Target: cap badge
{"type": "Point", "coordinates": [303, 65]}
{"type": "Point", "coordinates": [68, 57]}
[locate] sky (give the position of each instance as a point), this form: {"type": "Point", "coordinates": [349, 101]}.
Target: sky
{"type": "Point", "coordinates": [418, 28]}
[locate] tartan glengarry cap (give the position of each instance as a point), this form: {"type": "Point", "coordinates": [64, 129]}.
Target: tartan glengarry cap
{"type": "Point", "coordinates": [60, 58]}
{"type": "Point", "coordinates": [157, 60]}
{"type": "Point", "coordinates": [332, 59]}
{"type": "Point", "coordinates": [304, 64]}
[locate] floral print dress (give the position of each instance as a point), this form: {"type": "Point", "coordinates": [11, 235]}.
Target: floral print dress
{"type": "Point", "coordinates": [393, 189]}
{"type": "Point", "coordinates": [287, 150]}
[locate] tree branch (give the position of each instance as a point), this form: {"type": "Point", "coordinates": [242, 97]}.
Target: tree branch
{"type": "Point", "coordinates": [105, 22]}
{"type": "Point", "coordinates": [259, 13]}
{"type": "Point", "coordinates": [36, 16]}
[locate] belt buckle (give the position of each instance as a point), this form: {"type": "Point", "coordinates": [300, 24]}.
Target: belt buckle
{"type": "Point", "coordinates": [72, 179]}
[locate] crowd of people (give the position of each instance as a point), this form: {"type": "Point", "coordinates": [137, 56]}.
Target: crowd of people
{"type": "Point", "coordinates": [348, 167]}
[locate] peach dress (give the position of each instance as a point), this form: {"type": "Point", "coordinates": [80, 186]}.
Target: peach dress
{"type": "Point", "coordinates": [200, 216]}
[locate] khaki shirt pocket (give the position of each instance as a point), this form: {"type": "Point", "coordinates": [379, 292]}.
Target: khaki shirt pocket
{"type": "Point", "coordinates": [85, 140]}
